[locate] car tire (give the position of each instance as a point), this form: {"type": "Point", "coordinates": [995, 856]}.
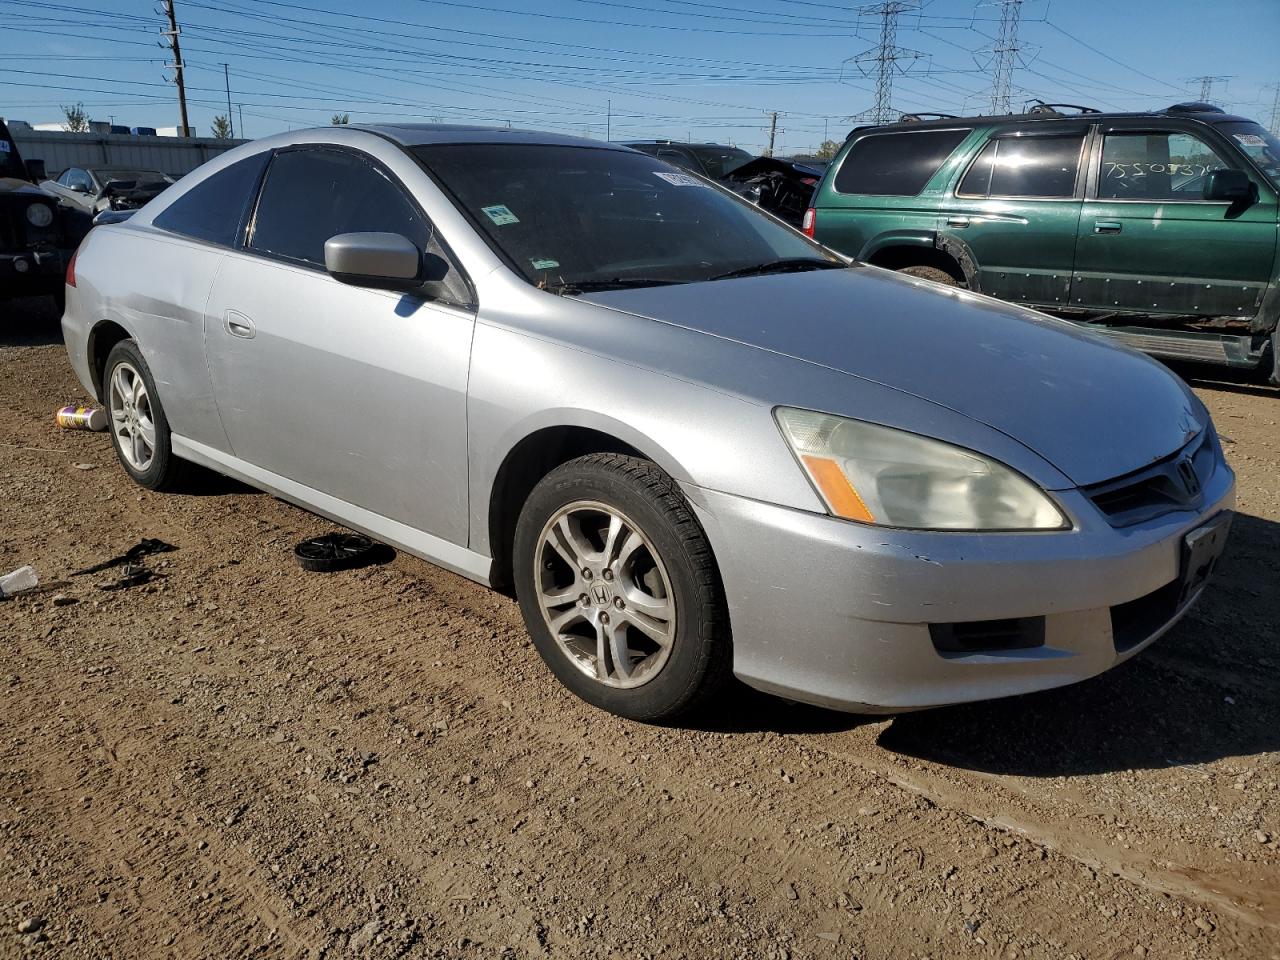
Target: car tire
{"type": "Point", "coordinates": [657, 571]}
{"type": "Point", "coordinates": [139, 429]}
{"type": "Point", "coordinates": [936, 274]}
{"type": "Point", "coordinates": [1274, 378]}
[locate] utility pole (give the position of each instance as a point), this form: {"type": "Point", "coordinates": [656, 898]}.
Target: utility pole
{"type": "Point", "coordinates": [172, 34]}
{"type": "Point", "coordinates": [226, 78]}
{"type": "Point", "coordinates": [240, 110]}
{"type": "Point", "coordinates": [1206, 86]}
{"type": "Point", "coordinates": [885, 55]}
{"type": "Point", "coordinates": [773, 132]}
{"type": "Point", "coordinates": [1004, 56]}
{"type": "Point", "coordinates": [608, 120]}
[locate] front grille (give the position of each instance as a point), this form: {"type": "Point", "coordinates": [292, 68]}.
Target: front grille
{"type": "Point", "coordinates": [1174, 483]}
{"type": "Point", "coordinates": [1135, 621]}
{"type": "Point", "coordinates": [987, 636]}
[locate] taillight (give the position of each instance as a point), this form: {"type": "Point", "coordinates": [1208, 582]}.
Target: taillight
{"type": "Point", "coordinates": [71, 270]}
{"type": "Point", "coordinates": [810, 222]}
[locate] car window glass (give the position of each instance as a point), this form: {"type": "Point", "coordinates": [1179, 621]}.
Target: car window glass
{"type": "Point", "coordinates": [214, 209]}
{"type": "Point", "coordinates": [679, 159]}
{"type": "Point", "coordinates": [64, 178]}
{"type": "Point", "coordinates": [977, 180]}
{"type": "Point", "coordinates": [897, 164]}
{"type": "Point", "coordinates": [1155, 166]}
{"type": "Point", "coordinates": [312, 195]}
{"type": "Point", "coordinates": [1035, 167]}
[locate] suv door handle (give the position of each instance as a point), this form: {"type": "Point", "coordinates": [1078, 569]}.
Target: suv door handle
{"type": "Point", "coordinates": [1107, 226]}
{"type": "Point", "coordinates": [238, 325]}
{"type": "Point", "coordinates": [957, 221]}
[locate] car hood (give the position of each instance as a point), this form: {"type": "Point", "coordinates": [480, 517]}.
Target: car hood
{"type": "Point", "coordinates": [1093, 410]}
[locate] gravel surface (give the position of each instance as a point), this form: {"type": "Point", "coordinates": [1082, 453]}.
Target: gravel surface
{"type": "Point", "coordinates": [242, 759]}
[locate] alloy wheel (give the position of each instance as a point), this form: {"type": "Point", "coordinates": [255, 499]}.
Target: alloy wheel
{"type": "Point", "coordinates": [131, 418]}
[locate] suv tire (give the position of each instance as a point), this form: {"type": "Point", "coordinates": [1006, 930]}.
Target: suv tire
{"type": "Point", "coordinates": [617, 531]}
{"type": "Point", "coordinates": [936, 274]}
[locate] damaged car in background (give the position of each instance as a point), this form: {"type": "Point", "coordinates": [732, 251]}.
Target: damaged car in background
{"type": "Point", "coordinates": [782, 187]}
{"type": "Point", "coordinates": [691, 441]}
{"type": "Point", "coordinates": [92, 190]}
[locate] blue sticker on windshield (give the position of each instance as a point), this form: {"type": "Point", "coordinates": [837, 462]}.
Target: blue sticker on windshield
{"type": "Point", "coordinates": [500, 214]}
{"type": "Point", "coordinates": [4, 146]}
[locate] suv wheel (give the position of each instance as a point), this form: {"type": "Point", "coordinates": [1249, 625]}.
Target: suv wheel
{"type": "Point", "coordinates": [936, 274]}
{"type": "Point", "coordinates": [619, 589]}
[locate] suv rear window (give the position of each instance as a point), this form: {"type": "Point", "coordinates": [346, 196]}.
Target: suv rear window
{"type": "Point", "coordinates": [895, 164]}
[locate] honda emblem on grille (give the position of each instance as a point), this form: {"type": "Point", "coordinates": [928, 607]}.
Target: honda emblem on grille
{"type": "Point", "coordinates": [1190, 479]}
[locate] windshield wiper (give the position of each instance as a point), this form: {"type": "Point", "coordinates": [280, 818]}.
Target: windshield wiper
{"type": "Point", "coordinates": [788, 265]}
{"type": "Point", "coordinates": [572, 287]}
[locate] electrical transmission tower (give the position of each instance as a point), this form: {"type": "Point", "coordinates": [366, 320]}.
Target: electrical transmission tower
{"type": "Point", "coordinates": [1004, 56]}
{"type": "Point", "coordinates": [1206, 86]}
{"type": "Point", "coordinates": [886, 56]}
{"type": "Point", "coordinates": [1275, 108]}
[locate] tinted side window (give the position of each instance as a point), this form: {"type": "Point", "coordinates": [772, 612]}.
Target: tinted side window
{"type": "Point", "coordinates": [680, 159]}
{"type": "Point", "coordinates": [214, 209]}
{"type": "Point", "coordinates": [313, 194]}
{"type": "Point", "coordinates": [897, 164]}
{"type": "Point", "coordinates": [1036, 167]}
{"type": "Point", "coordinates": [977, 180]}
{"type": "Point", "coordinates": [1155, 166]}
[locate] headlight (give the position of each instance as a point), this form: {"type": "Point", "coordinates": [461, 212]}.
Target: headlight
{"type": "Point", "coordinates": [39, 215]}
{"type": "Point", "coordinates": [879, 475]}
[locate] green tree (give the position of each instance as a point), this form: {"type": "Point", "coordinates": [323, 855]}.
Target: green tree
{"type": "Point", "coordinates": [828, 150]}
{"type": "Point", "coordinates": [222, 128]}
{"type": "Point", "coordinates": [77, 118]}
{"type": "Point", "coordinates": [340, 119]}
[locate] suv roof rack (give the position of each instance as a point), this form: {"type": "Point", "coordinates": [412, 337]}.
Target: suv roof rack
{"type": "Point", "coordinates": [921, 117]}
{"type": "Point", "coordinates": [1195, 106]}
{"type": "Point", "coordinates": [1038, 108]}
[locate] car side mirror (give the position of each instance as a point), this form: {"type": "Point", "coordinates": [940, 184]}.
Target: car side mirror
{"type": "Point", "coordinates": [36, 171]}
{"type": "Point", "coordinates": [79, 188]}
{"type": "Point", "coordinates": [383, 261]}
{"type": "Point", "coordinates": [1229, 186]}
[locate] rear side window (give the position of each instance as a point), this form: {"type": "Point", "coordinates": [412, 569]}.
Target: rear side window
{"type": "Point", "coordinates": [897, 164]}
{"type": "Point", "coordinates": [214, 209]}
{"type": "Point", "coordinates": [314, 194]}
{"type": "Point", "coordinates": [1025, 167]}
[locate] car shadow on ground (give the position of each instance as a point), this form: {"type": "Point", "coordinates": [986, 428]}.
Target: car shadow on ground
{"type": "Point", "coordinates": [1203, 692]}
{"type": "Point", "coordinates": [30, 322]}
{"type": "Point", "coordinates": [1249, 383]}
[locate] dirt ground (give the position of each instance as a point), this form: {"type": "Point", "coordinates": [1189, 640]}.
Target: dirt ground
{"type": "Point", "coordinates": [242, 759]}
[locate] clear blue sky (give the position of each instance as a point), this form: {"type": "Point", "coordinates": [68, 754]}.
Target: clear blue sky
{"type": "Point", "coordinates": [663, 68]}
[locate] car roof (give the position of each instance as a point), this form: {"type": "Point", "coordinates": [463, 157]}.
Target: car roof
{"type": "Point", "coordinates": [423, 134]}
{"type": "Point", "coordinates": [681, 143]}
{"type": "Point", "coordinates": [1202, 112]}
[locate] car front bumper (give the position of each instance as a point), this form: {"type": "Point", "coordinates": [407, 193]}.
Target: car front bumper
{"type": "Point", "coordinates": [31, 273]}
{"type": "Point", "coordinates": [838, 614]}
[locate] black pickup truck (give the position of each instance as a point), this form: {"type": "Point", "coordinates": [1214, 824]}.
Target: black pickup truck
{"type": "Point", "coordinates": [33, 248]}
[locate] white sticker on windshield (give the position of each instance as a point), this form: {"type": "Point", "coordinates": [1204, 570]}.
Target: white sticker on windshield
{"type": "Point", "coordinates": [1250, 140]}
{"type": "Point", "coordinates": [679, 179]}
{"type": "Point", "coordinates": [500, 214]}
{"type": "Point", "coordinates": [542, 264]}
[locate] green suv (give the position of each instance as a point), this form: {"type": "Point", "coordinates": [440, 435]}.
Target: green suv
{"type": "Point", "coordinates": [1158, 229]}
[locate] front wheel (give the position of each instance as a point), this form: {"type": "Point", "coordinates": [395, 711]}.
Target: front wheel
{"type": "Point", "coordinates": [619, 589]}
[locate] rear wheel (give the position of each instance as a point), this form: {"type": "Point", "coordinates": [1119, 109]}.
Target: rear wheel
{"type": "Point", "coordinates": [619, 589]}
{"type": "Point", "coordinates": [936, 274]}
{"type": "Point", "coordinates": [139, 428]}
{"type": "Point", "coordinates": [1274, 379]}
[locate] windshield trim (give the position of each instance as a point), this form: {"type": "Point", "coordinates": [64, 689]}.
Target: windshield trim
{"type": "Point", "coordinates": [510, 263]}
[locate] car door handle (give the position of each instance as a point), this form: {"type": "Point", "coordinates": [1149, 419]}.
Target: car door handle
{"type": "Point", "coordinates": [1106, 226]}
{"type": "Point", "coordinates": [957, 221]}
{"type": "Point", "coordinates": [238, 325]}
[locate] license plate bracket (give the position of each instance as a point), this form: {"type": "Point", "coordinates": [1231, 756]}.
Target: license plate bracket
{"type": "Point", "coordinates": [1201, 550]}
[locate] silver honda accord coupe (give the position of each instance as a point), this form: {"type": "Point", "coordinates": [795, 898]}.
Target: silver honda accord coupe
{"type": "Point", "coordinates": [691, 441]}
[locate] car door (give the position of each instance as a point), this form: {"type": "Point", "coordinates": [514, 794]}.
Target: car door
{"type": "Point", "coordinates": [1016, 207]}
{"type": "Point", "coordinates": [1149, 242]}
{"type": "Point", "coordinates": [357, 393]}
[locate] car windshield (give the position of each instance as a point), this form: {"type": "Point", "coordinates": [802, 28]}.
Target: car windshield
{"type": "Point", "coordinates": [1261, 146]}
{"type": "Point", "coordinates": [719, 162]}
{"type": "Point", "coordinates": [578, 218]}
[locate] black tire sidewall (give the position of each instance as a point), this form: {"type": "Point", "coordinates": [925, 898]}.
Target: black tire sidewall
{"type": "Point", "coordinates": [161, 469]}
{"type": "Point", "coordinates": [679, 682]}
